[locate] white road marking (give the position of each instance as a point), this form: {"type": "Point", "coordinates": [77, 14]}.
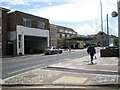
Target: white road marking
{"type": "Point", "coordinates": [25, 69]}
{"type": "Point", "coordinates": [67, 59]}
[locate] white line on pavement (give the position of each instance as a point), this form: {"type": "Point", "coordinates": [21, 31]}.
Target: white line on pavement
{"type": "Point", "coordinates": [67, 59]}
{"type": "Point", "coordinates": [25, 69]}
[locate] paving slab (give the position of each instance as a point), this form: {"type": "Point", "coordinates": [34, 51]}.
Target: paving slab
{"type": "Point", "coordinates": [100, 64]}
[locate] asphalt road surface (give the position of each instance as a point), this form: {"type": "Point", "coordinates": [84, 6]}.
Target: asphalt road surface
{"type": "Point", "coordinates": [15, 65]}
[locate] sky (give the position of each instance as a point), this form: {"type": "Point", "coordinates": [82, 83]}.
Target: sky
{"type": "Point", "coordinates": [83, 16]}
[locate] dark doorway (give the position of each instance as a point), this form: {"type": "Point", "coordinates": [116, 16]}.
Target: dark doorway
{"type": "Point", "coordinates": [10, 49]}
{"type": "Point", "coordinates": [34, 45]}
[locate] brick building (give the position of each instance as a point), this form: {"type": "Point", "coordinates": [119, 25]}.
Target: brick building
{"type": "Point", "coordinates": [23, 33]}
{"type": "Point", "coordinates": [100, 38]}
{"type": "Point", "coordinates": [58, 34]}
{"type": "Point", "coordinates": [32, 33]}
{"type": "Point", "coordinates": [103, 39]}
{"type": "Point", "coordinates": [3, 31]}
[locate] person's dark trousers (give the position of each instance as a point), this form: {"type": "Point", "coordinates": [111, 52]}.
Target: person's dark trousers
{"type": "Point", "coordinates": [91, 55]}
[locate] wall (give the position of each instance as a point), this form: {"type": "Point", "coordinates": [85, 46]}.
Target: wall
{"type": "Point", "coordinates": [53, 37]}
{"type": "Point", "coordinates": [21, 30]}
{"type": "Point", "coordinates": [99, 39]}
{"type": "Point", "coordinates": [16, 18]}
{"type": "Point", "coordinates": [58, 33]}
{"type": "Point", "coordinates": [4, 32]}
{"type": "Point", "coordinates": [81, 45]}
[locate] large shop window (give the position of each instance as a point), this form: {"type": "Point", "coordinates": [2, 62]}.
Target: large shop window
{"type": "Point", "coordinates": [27, 22]}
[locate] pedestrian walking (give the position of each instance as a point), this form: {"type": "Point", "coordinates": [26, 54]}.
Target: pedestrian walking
{"type": "Point", "coordinates": [91, 50]}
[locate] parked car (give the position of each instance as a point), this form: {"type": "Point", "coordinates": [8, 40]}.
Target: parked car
{"type": "Point", "coordinates": [52, 50]}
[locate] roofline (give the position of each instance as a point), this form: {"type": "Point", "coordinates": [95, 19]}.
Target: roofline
{"type": "Point", "coordinates": [4, 9]}
{"type": "Point", "coordinates": [62, 26]}
{"type": "Point", "coordinates": [28, 14]}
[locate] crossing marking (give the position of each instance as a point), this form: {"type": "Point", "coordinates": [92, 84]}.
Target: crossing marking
{"type": "Point", "coordinates": [75, 62]}
{"type": "Point", "coordinates": [70, 80]}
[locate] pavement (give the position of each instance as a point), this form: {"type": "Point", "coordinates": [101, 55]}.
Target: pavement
{"type": "Point", "coordinates": [77, 71]}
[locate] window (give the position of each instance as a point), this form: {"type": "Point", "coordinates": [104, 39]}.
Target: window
{"type": "Point", "coordinates": [65, 35]}
{"type": "Point", "coordinates": [19, 38]}
{"type": "Point", "coordinates": [27, 22]}
{"type": "Point", "coordinates": [60, 30]}
{"type": "Point", "coordinates": [70, 32]}
{"type": "Point", "coordinates": [19, 45]}
{"type": "Point", "coordinates": [60, 35]}
{"type": "Point", "coordinates": [41, 25]}
{"type": "Point", "coordinates": [66, 31]}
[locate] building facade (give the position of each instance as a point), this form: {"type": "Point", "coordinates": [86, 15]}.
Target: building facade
{"type": "Point", "coordinates": [32, 33]}
{"type": "Point", "coordinates": [24, 33]}
{"type": "Point", "coordinates": [113, 41]}
{"type": "Point", "coordinates": [59, 34]}
{"type": "Point", "coordinates": [100, 39]}
{"type": "Point", "coordinates": [3, 31]}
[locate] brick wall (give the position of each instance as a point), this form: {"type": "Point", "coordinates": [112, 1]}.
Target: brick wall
{"type": "Point", "coordinates": [16, 18]}
{"type": "Point", "coordinates": [4, 32]}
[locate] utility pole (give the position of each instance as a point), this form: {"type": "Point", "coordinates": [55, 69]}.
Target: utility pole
{"type": "Point", "coordinates": [101, 24]}
{"type": "Point", "coordinates": [107, 29]}
{"type": "Point", "coordinates": [101, 15]}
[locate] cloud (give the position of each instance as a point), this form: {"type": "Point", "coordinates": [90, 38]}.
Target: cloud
{"type": "Point", "coordinates": [36, 6]}
{"type": "Point", "coordinates": [109, 6]}
{"type": "Point", "coordinates": [26, 2]}
{"type": "Point", "coordinates": [113, 28]}
{"type": "Point", "coordinates": [73, 11]}
{"type": "Point", "coordinates": [49, 3]}
{"type": "Point", "coordinates": [80, 10]}
{"type": "Point", "coordinates": [87, 29]}
{"type": "Point", "coordinates": [94, 28]}
{"type": "Point", "coordinates": [16, 2]}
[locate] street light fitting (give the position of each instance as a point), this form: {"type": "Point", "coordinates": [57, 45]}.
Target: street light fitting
{"type": "Point", "coordinates": [114, 14]}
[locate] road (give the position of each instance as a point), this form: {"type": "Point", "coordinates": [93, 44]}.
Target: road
{"type": "Point", "coordinates": [16, 65]}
